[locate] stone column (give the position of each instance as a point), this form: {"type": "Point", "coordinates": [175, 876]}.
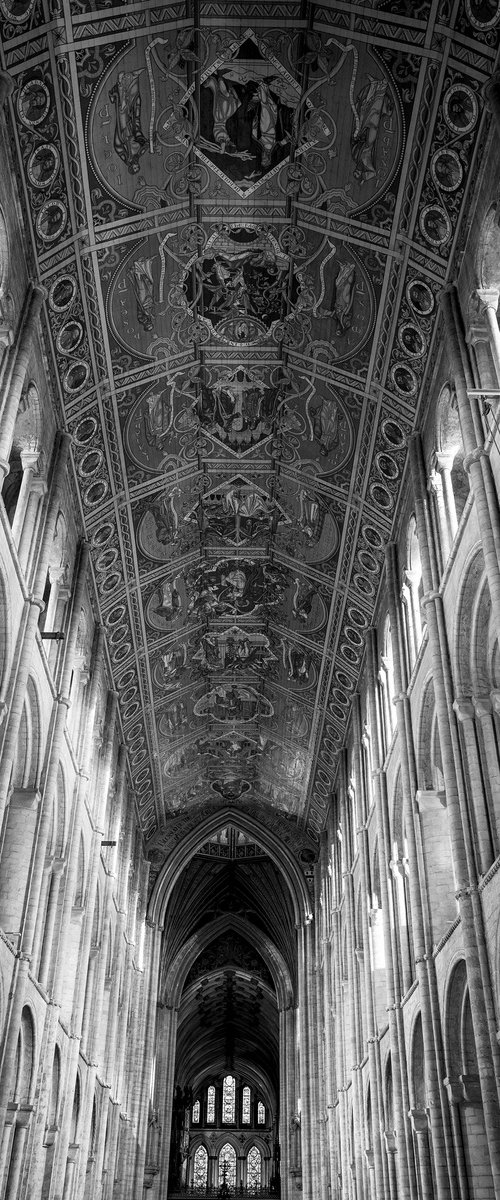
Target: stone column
{"type": "Point", "coordinates": [477, 461]}
{"type": "Point", "coordinates": [368, 964]}
{"type": "Point", "coordinates": [27, 544]}
{"type": "Point", "coordinates": [15, 377]}
{"type": "Point", "coordinates": [305, 967]}
{"type": "Point", "coordinates": [479, 816]}
{"type": "Point", "coordinates": [40, 918]}
{"type": "Point", "coordinates": [89, 996]}
{"type": "Point", "coordinates": [58, 866]}
{"type": "Point", "coordinates": [444, 465]}
{"type": "Point", "coordinates": [23, 1118]}
{"type": "Point", "coordinates": [455, 1097]}
{"type": "Point", "coordinates": [79, 805]}
{"type": "Point", "coordinates": [69, 1174]}
{"type": "Point", "coordinates": [483, 706]}
{"type": "Point", "coordinates": [6, 87]}
{"type": "Point", "coordinates": [474, 941]}
{"type": "Point", "coordinates": [7, 1137]}
{"type": "Point", "coordinates": [404, 1162]}
{"type": "Point", "coordinates": [29, 462]}
{"type": "Point", "coordinates": [166, 1037]}
{"type": "Point", "coordinates": [442, 1145]}
{"type": "Point", "coordinates": [436, 488]}
{"type": "Point", "coordinates": [489, 303]}
{"type": "Point", "coordinates": [420, 1127]}
{"type": "Point", "coordinates": [491, 94]}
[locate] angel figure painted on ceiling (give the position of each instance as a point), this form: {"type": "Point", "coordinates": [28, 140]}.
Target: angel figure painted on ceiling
{"type": "Point", "coordinates": [129, 141]}
{"type": "Point", "coordinates": [373, 102]}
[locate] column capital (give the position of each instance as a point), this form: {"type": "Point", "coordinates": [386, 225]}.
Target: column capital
{"type": "Point", "coordinates": [488, 298]}
{"type": "Point", "coordinates": [491, 91]}
{"type": "Point", "coordinates": [483, 706]}
{"type": "Point", "coordinates": [455, 1094]}
{"type": "Point", "coordinates": [434, 482]}
{"type": "Point", "coordinates": [419, 1119]}
{"type": "Point", "coordinates": [464, 708]}
{"type": "Point", "coordinates": [444, 461]}
{"type": "Point", "coordinates": [6, 87]}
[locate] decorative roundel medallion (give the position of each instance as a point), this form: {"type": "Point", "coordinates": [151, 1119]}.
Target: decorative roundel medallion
{"type": "Point", "coordinates": [365, 586]}
{"type": "Point", "coordinates": [460, 108]}
{"type": "Point", "coordinates": [368, 562]}
{"type": "Point", "coordinates": [483, 14]}
{"type": "Point", "coordinates": [84, 432]}
{"type": "Point", "coordinates": [387, 466]}
{"type": "Point", "coordinates": [62, 293]}
{"type": "Point", "coordinates": [404, 379]}
{"type": "Point", "coordinates": [17, 11]}
{"type": "Point", "coordinates": [393, 434]}
{"type": "Point", "coordinates": [43, 165]}
{"type": "Point", "coordinates": [446, 170]}
{"type": "Point", "coordinates": [69, 337]}
{"type": "Point", "coordinates": [435, 225]}
{"type": "Point", "coordinates": [33, 103]}
{"type": "Point", "coordinates": [76, 378]}
{"type": "Point", "coordinates": [51, 220]}
{"type": "Point", "coordinates": [420, 297]}
{"type": "Point", "coordinates": [380, 495]}
{"type": "Point", "coordinates": [411, 340]}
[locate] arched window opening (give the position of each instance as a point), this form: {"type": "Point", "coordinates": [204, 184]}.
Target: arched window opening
{"type": "Point", "coordinates": [195, 1115]}
{"type": "Point", "coordinates": [412, 593]}
{"type": "Point", "coordinates": [228, 1100]}
{"type": "Point", "coordinates": [80, 877]}
{"type": "Point", "coordinates": [463, 1081]}
{"type": "Point", "coordinates": [254, 1167]}
{"type": "Point", "coordinates": [75, 1114]}
{"type": "Point", "coordinates": [211, 1105]}
{"type": "Point", "coordinates": [200, 1168]}
{"type": "Point", "coordinates": [54, 1091]}
{"type": "Point", "coordinates": [386, 679]}
{"type": "Point", "coordinates": [26, 1058]}
{"type": "Point", "coordinates": [261, 1113]}
{"type": "Point", "coordinates": [400, 869]}
{"type": "Point", "coordinates": [378, 944]}
{"type": "Point", "coordinates": [227, 1166]}
{"type": "Point", "coordinates": [245, 1106]}
{"type": "Point", "coordinates": [449, 483]}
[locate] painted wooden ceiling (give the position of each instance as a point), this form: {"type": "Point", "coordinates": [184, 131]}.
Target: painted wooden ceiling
{"type": "Point", "coordinates": [243, 213]}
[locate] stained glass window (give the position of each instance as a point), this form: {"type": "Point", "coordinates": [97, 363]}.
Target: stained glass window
{"type": "Point", "coordinates": [195, 1116]}
{"type": "Point", "coordinates": [210, 1105]}
{"type": "Point", "coordinates": [261, 1114]}
{"type": "Point", "coordinates": [200, 1170]}
{"type": "Point", "coordinates": [254, 1167]}
{"type": "Point", "coordinates": [227, 1166]}
{"type": "Point", "coordinates": [228, 1099]}
{"type": "Point", "coordinates": [245, 1106]}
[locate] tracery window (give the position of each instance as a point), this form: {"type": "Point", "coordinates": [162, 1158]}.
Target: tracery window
{"type": "Point", "coordinates": [245, 1106]}
{"type": "Point", "coordinates": [227, 1166]}
{"type": "Point", "coordinates": [195, 1115]}
{"type": "Point", "coordinates": [210, 1105]}
{"type": "Point", "coordinates": [254, 1167]}
{"type": "Point", "coordinates": [200, 1169]}
{"type": "Point", "coordinates": [228, 1100]}
{"type": "Point", "coordinates": [261, 1113]}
